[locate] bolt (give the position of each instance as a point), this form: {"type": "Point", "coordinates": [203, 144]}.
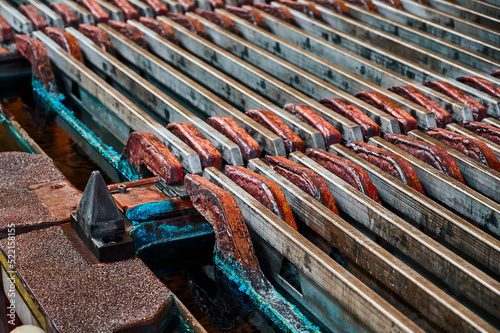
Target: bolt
{"type": "Point", "coordinates": [122, 188]}
{"type": "Point", "coordinates": [56, 186]}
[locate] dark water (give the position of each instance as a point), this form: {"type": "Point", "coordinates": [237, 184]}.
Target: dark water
{"type": "Point", "coordinates": [54, 140]}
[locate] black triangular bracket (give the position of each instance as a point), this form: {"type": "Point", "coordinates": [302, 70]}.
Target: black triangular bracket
{"type": "Point", "coordinates": [100, 224]}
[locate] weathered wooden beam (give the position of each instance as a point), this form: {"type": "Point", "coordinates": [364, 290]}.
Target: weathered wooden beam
{"type": "Point", "coordinates": [450, 191]}
{"type": "Point", "coordinates": [355, 245]}
{"type": "Point", "coordinates": [321, 269]}
{"type": "Point", "coordinates": [16, 19]}
{"type": "Point", "coordinates": [439, 43]}
{"type": "Point", "coordinates": [476, 175]}
{"type": "Point", "coordinates": [158, 102]}
{"type": "Point", "coordinates": [477, 244]}
{"type": "Point", "coordinates": [125, 110]}
{"type": "Point", "coordinates": [440, 261]}
{"type": "Point", "coordinates": [232, 91]}
{"type": "Point", "coordinates": [392, 61]}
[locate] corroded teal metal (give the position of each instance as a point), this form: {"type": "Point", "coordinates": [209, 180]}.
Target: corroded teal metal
{"type": "Point", "coordinates": [53, 102]}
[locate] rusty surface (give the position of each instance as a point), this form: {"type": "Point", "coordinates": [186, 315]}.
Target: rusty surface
{"type": "Point", "coordinates": [99, 13]}
{"type": "Point", "coordinates": [369, 128]}
{"type": "Point", "coordinates": [335, 5]}
{"type": "Point", "coordinates": [273, 123]}
{"type": "Point", "coordinates": [281, 13]}
{"type": "Point", "coordinates": [394, 3]}
{"type": "Point", "coordinates": [308, 9]}
{"type": "Point", "coordinates": [433, 155]}
{"type": "Point", "coordinates": [33, 50]}
{"type": "Point", "coordinates": [60, 197]}
{"type": "Point", "coordinates": [489, 132]}
{"type": "Point", "coordinates": [220, 209]}
{"type": "Point", "coordinates": [160, 28]}
{"type": "Point", "coordinates": [134, 183]}
{"type": "Point", "coordinates": [5, 30]}
{"type": "Point", "coordinates": [217, 4]}
{"type": "Point", "coordinates": [130, 12]}
{"type": "Point", "coordinates": [478, 111]}
{"type": "Point", "coordinates": [475, 149]}
{"type": "Point", "coordinates": [34, 16]}
{"type": "Point", "coordinates": [20, 205]}
{"type": "Point", "coordinates": [187, 5]}
{"type": "Point", "coordinates": [146, 194]}
{"type": "Point", "coordinates": [481, 85]}
{"type": "Point", "coordinates": [249, 15]}
{"type": "Point", "coordinates": [189, 23]}
{"type": "Point", "coordinates": [308, 115]}
{"type": "Point", "coordinates": [304, 178]}
{"type": "Point", "coordinates": [129, 31]}
{"type": "Point", "coordinates": [190, 135]}
{"type": "Point", "coordinates": [125, 295]}
{"type": "Point", "coordinates": [69, 17]}
{"type": "Point", "coordinates": [263, 190]}
{"type": "Point", "coordinates": [385, 104]}
{"type": "Point", "coordinates": [365, 4]}
{"type": "Point", "coordinates": [217, 18]}
{"type": "Point", "coordinates": [230, 129]}
{"type": "Point", "coordinates": [348, 171]}
{"type": "Point", "coordinates": [391, 163]}
{"type": "Point", "coordinates": [158, 7]}
{"type": "Point", "coordinates": [414, 95]}
{"type": "Point", "coordinates": [65, 40]}
{"type": "Point", "coordinates": [98, 36]}
{"type": "Point", "coordinates": [145, 150]}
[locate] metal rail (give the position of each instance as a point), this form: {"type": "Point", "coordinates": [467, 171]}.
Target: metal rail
{"type": "Point", "coordinates": [439, 44]}
{"type": "Point", "coordinates": [446, 265]}
{"type": "Point", "coordinates": [258, 80]}
{"type": "Point", "coordinates": [379, 263]}
{"type": "Point", "coordinates": [468, 14]}
{"type": "Point", "coordinates": [459, 24]}
{"type": "Point", "coordinates": [320, 276]}
{"type": "Point", "coordinates": [476, 175]}
{"type": "Point", "coordinates": [363, 75]}
{"type": "Point", "coordinates": [237, 94]}
{"type": "Point", "coordinates": [445, 63]}
{"type": "Point", "coordinates": [142, 8]}
{"type": "Point", "coordinates": [114, 12]}
{"type": "Point", "coordinates": [439, 30]}
{"type": "Point", "coordinates": [118, 104]}
{"type": "Point", "coordinates": [391, 61]}
{"type": "Point", "coordinates": [156, 100]}
{"type": "Point", "coordinates": [450, 191]}
{"type": "Point", "coordinates": [461, 130]}
{"type": "Point", "coordinates": [201, 98]}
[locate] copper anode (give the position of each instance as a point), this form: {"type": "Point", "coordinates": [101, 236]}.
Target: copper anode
{"type": "Point", "coordinates": [433, 155]}
{"type": "Point", "coordinates": [475, 149]}
{"type": "Point", "coordinates": [191, 136]}
{"type": "Point", "coordinates": [489, 132]}
{"type": "Point", "coordinates": [65, 40]}
{"type": "Point", "coordinates": [348, 171]}
{"type": "Point", "coordinates": [478, 111]}
{"type": "Point", "coordinates": [273, 123]}
{"type": "Point", "coordinates": [414, 95]}
{"type": "Point", "coordinates": [263, 190]}
{"type": "Point", "coordinates": [391, 163]}
{"type": "Point", "coordinates": [145, 149]}
{"type": "Point", "coordinates": [304, 178]}
{"type": "Point", "coordinates": [383, 103]}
